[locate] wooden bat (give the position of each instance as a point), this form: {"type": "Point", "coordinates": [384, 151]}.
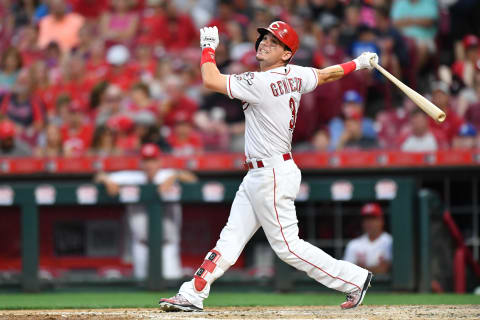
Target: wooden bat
{"type": "Point", "coordinates": [423, 103]}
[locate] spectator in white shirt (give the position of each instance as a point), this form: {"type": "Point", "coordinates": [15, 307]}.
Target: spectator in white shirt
{"type": "Point", "coordinates": [421, 138]}
{"type": "Point", "coordinates": [372, 250]}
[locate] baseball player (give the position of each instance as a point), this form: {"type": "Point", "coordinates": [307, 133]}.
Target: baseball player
{"type": "Point", "coordinates": [267, 193]}
{"type": "Point", "coordinates": [373, 249]}
{"type": "Point", "coordinates": [137, 217]}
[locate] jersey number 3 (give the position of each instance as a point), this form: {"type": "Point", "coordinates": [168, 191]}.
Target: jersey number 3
{"type": "Point", "coordinates": [293, 108]}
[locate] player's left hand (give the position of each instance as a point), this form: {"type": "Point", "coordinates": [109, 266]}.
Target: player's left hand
{"type": "Point", "coordinates": [209, 37]}
{"type": "Point", "coordinates": [364, 61]}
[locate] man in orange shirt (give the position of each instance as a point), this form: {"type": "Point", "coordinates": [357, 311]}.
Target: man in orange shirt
{"type": "Point", "coordinates": [60, 26]}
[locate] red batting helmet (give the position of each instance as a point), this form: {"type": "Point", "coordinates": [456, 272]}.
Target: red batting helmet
{"type": "Point", "coordinates": [283, 32]}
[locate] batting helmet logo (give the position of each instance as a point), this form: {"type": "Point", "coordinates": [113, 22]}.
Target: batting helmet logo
{"type": "Point", "coordinates": [283, 32]}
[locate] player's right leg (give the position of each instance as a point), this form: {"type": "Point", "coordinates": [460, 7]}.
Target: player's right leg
{"type": "Point", "coordinates": [242, 224]}
{"type": "Point", "coordinates": [273, 198]}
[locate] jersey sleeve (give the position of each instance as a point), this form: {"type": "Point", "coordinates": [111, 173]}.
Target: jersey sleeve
{"type": "Point", "coordinates": [162, 175]}
{"type": "Point", "coordinates": [246, 87]}
{"type": "Point", "coordinates": [309, 79]}
{"type": "Point", "coordinates": [128, 177]}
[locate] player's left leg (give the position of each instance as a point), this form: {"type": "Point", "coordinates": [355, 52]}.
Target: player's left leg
{"type": "Point", "coordinates": [275, 199]}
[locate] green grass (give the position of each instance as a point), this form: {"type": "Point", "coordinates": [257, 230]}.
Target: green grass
{"type": "Point", "coordinates": [149, 299]}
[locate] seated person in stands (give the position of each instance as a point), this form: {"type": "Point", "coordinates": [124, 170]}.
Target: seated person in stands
{"type": "Point", "coordinates": [466, 138]}
{"type": "Point", "coordinates": [419, 137]}
{"type": "Point", "coordinates": [167, 181]}
{"type": "Point", "coordinates": [353, 137]}
{"type": "Point", "coordinates": [373, 249]}
{"type": "Point", "coordinates": [352, 104]}
{"type": "Point", "coordinates": [10, 146]}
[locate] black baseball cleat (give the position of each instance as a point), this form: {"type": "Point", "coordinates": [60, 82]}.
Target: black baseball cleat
{"type": "Point", "coordinates": [355, 298]}
{"type": "Point", "coordinates": [177, 303]}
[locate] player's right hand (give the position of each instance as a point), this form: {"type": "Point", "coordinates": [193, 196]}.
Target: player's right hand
{"type": "Point", "coordinates": [209, 37]}
{"type": "Point", "coordinates": [364, 61]}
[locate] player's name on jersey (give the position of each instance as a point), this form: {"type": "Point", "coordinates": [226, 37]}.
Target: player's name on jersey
{"type": "Point", "coordinates": [285, 86]}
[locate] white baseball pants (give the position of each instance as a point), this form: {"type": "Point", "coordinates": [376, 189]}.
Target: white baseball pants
{"type": "Point", "coordinates": [266, 199]}
{"type": "Point", "coordinates": [171, 226]}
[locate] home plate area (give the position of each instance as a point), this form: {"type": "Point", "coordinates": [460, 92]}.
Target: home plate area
{"type": "Point", "coordinates": [361, 313]}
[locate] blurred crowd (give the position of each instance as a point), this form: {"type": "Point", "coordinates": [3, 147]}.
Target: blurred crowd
{"type": "Point", "coordinates": [104, 77]}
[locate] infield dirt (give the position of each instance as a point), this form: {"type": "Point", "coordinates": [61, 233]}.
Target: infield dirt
{"type": "Point", "coordinates": [438, 312]}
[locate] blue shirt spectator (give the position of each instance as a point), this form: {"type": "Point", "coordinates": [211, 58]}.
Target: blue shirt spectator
{"type": "Point", "coordinates": [352, 104]}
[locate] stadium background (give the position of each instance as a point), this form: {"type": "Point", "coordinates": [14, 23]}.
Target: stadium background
{"type": "Point", "coordinates": [85, 97]}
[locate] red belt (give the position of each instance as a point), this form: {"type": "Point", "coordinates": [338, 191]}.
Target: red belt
{"type": "Point", "coordinates": [249, 164]}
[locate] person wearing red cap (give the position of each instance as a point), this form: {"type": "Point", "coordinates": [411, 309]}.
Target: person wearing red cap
{"type": "Point", "coordinates": [167, 181]}
{"type": "Point", "coordinates": [466, 68]}
{"type": "Point", "coordinates": [77, 132]}
{"type": "Point", "coordinates": [9, 145]}
{"type": "Point", "coordinates": [373, 249]}
{"type": "Point", "coordinates": [270, 99]}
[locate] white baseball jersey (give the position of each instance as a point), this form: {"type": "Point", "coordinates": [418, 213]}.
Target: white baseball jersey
{"type": "Point", "coordinates": [270, 103]}
{"type": "Point", "coordinates": [369, 252]}
{"type": "Point", "coordinates": [136, 177]}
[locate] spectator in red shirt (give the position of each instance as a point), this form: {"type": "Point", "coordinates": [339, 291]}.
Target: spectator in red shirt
{"type": "Point", "coordinates": [465, 69]}
{"type": "Point", "coordinates": [151, 19]}
{"type": "Point", "coordinates": [183, 139]}
{"type": "Point", "coordinates": [127, 141]}
{"type": "Point", "coordinates": [42, 86]}
{"type": "Point", "coordinates": [76, 133]}
{"type": "Point", "coordinates": [75, 82]}
{"type": "Point", "coordinates": [144, 65]}
{"type": "Point", "coordinates": [472, 113]}
{"type": "Point", "coordinates": [176, 102]}
{"type": "Point", "coordinates": [97, 67]}
{"type": "Point", "coordinates": [120, 25]}
{"type": "Point", "coordinates": [141, 100]}
{"type": "Point", "coordinates": [90, 9]}
{"type": "Point", "coordinates": [453, 122]}
{"type": "Point", "coordinates": [176, 30]}
{"type": "Point", "coordinates": [390, 123]}
{"type": "Point", "coordinates": [27, 44]}
{"type": "Point", "coordinates": [119, 73]}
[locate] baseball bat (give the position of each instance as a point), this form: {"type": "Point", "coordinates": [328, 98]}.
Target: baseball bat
{"type": "Point", "coordinates": [423, 103]}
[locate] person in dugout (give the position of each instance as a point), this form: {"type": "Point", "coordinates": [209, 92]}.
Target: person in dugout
{"type": "Point", "coordinates": [167, 180]}
{"type": "Point", "coordinates": [373, 249]}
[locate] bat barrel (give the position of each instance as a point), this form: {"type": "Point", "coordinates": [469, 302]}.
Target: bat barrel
{"type": "Point", "coordinates": [423, 103]}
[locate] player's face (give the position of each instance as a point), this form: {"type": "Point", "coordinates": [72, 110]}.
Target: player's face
{"type": "Point", "coordinates": [272, 51]}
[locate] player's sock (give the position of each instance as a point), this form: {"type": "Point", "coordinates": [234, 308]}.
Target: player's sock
{"type": "Point", "coordinates": [198, 289]}
{"type": "Point", "coordinates": [212, 268]}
